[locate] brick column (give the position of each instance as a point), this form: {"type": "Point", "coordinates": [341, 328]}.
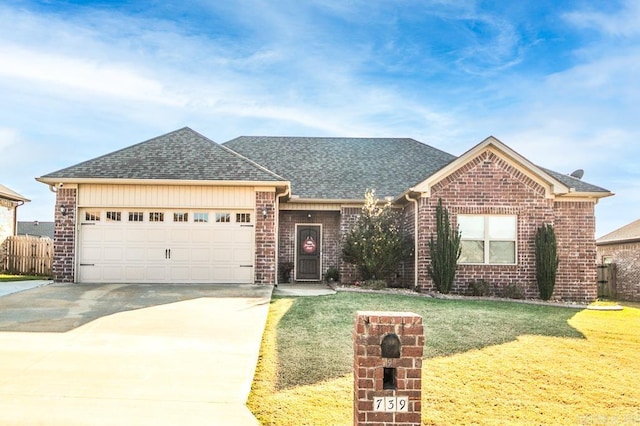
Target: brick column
{"type": "Point", "coordinates": [64, 236]}
{"type": "Point", "coordinates": [387, 385]}
{"type": "Point", "coordinates": [265, 262]}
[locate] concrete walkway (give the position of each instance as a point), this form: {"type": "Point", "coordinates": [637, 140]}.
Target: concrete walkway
{"type": "Point", "coordinates": [11, 287]}
{"type": "Point", "coordinates": [130, 354]}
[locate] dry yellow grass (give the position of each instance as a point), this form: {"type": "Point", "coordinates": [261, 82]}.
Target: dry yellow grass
{"type": "Point", "coordinates": [533, 380]}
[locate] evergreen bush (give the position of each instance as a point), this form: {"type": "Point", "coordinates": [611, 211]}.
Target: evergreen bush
{"type": "Point", "coordinates": [444, 251]}
{"type": "Point", "coordinates": [547, 260]}
{"type": "Point", "coordinates": [378, 242]}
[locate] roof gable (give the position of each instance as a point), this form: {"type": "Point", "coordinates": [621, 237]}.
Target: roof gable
{"type": "Point", "coordinates": [183, 155]}
{"type": "Point", "coordinates": [343, 168]}
{"type": "Point", "coordinates": [554, 183]}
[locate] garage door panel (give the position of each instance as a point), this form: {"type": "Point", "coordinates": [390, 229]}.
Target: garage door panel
{"type": "Point", "coordinates": [205, 252]}
{"type": "Point", "coordinates": [136, 254]}
{"type": "Point", "coordinates": [113, 234]}
{"type": "Point", "coordinates": [112, 254]}
{"type": "Point", "coordinates": [91, 254]}
{"type": "Point", "coordinates": [112, 273]}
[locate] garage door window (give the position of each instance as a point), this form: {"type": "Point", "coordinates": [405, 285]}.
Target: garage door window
{"type": "Point", "coordinates": [223, 217]}
{"type": "Point", "coordinates": [114, 216]}
{"type": "Point", "coordinates": [181, 217]}
{"type": "Point", "coordinates": [92, 216]}
{"type": "Point", "coordinates": [136, 216]}
{"type": "Point", "coordinates": [201, 217]}
{"type": "Point", "coordinates": [156, 217]}
{"type": "Point", "coordinates": [243, 217]}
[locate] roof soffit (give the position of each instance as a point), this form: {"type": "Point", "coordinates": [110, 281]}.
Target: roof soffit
{"type": "Point", "coordinates": [491, 144]}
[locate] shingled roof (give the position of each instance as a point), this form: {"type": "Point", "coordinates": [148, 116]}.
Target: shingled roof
{"type": "Point", "coordinates": [627, 234]}
{"type": "Point", "coordinates": [179, 155]}
{"type": "Point", "coordinates": [9, 194]}
{"type": "Point", "coordinates": [575, 183]}
{"type": "Point", "coordinates": [343, 168]}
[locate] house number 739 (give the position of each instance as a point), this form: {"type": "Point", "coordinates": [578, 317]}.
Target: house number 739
{"type": "Point", "coordinates": [391, 404]}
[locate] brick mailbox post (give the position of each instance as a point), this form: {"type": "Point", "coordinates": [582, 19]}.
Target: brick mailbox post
{"type": "Point", "coordinates": [387, 369]}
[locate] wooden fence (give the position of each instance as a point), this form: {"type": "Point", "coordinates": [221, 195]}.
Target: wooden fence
{"type": "Point", "coordinates": [27, 255]}
{"type": "Point", "coordinates": [607, 282]}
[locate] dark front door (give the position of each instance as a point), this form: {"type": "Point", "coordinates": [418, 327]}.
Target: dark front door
{"type": "Point", "coordinates": [308, 252]}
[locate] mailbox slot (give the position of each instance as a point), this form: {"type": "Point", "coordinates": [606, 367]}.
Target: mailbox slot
{"type": "Point", "coordinates": [389, 379]}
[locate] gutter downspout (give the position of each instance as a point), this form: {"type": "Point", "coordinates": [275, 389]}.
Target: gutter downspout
{"type": "Point", "coordinates": [15, 216]}
{"type": "Point", "coordinates": [415, 240]}
{"type": "Point", "coordinates": [277, 220]}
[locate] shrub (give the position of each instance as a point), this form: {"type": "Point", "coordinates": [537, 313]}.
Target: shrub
{"type": "Point", "coordinates": [378, 242]}
{"type": "Point", "coordinates": [546, 260]}
{"type": "Point", "coordinates": [375, 284]}
{"type": "Point", "coordinates": [513, 291]}
{"type": "Point", "coordinates": [332, 275]}
{"type": "Point", "coordinates": [284, 270]}
{"type": "Point", "coordinates": [478, 288]}
{"type": "Point", "coordinates": [444, 251]}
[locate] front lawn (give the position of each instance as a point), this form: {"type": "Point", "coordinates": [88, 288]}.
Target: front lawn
{"type": "Point", "coordinates": [486, 362]}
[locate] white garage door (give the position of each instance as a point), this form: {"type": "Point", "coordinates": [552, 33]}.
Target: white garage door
{"type": "Point", "coordinates": [156, 246]}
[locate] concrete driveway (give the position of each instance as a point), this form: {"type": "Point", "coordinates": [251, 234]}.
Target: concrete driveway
{"type": "Point", "coordinates": [117, 354]}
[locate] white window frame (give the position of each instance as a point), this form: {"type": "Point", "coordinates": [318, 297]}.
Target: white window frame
{"type": "Point", "coordinates": [487, 240]}
{"type": "Point", "coordinates": [92, 215]}
{"type": "Point", "coordinates": [201, 217]}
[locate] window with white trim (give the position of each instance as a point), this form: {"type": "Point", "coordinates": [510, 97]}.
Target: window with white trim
{"type": "Point", "coordinates": [92, 216]}
{"type": "Point", "coordinates": [489, 240]}
{"type": "Point", "coordinates": [136, 216]}
{"type": "Point", "coordinates": [181, 217]}
{"type": "Point", "coordinates": [114, 216]}
{"type": "Point", "coordinates": [156, 217]}
{"type": "Point", "coordinates": [243, 217]}
{"type": "Point", "coordinates": [223, 217]}
{"type": "Point", "coordinates": [201, 217]}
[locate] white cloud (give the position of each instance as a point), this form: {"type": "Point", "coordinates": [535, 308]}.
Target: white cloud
{"type": "Point", "coordinates": [63, 73]}
{"type": "Point", "coordinates": [622, 23]}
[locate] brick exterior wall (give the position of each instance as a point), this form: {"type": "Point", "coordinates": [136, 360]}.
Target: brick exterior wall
{"type": "Point", "coordinates": [368, 367]}
{"type": "Point", "coordinates": [348, 218]}
{"type": "Point", "coordinates": [626, 257]}
{"type": "Point", "coordinates": [64, 236]}
{"type": "Point", "coordinates": [575, 227]}
{"type": "Point", "coordinates": [265, 263]}
{"type": "Point", "coordinates": [488, 185]}
{"type": "Point", "coordinates": [331, 246]}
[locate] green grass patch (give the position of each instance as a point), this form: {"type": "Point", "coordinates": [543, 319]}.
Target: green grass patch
{"type": "Point", "coordinates": [7, 278]}
{"type": "Point", "coordinates": [314, 337]}
{"type": "Point", "coordinates": [486, 362]}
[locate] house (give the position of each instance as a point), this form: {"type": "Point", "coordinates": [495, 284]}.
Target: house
{"type": "Point", "coordinates": [182, 208]}
{"type": "Point", "coordinates": [9, 203]}
{"type": "Point", "coordinates": [621, 248]}
{"type": "Point", "coordinates": [36, 228]}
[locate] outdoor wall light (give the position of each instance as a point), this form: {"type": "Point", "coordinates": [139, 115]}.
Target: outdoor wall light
{"type": "Point", "coordinates": [63, 210]}
{"type": "Point", "coordinates": [264, 212]}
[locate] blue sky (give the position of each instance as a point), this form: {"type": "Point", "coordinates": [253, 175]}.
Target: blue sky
{"type": "Point", "coordinates": [557, 81]}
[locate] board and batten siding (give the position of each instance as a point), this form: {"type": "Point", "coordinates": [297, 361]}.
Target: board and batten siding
{"type": "Point", "coordinates": [167, 196]}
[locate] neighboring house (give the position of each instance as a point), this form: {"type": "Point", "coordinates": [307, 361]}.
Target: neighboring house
{"type": "Point", "coordinates": [36, 228]}
{"type": "Point", "coordinates": [622, 248]}
{"type": "Point", "coordinates": [181, 208]}
{"type": "Point", "coordinates": [9, 203]}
